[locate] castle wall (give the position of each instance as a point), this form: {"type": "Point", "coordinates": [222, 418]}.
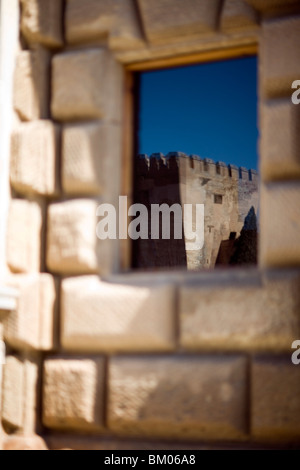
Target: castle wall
{"type": "Point", "coordinates": [180, 179]}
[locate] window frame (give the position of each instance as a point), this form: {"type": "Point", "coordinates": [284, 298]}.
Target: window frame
{"type": "Point", "coordinates": [131, 71]}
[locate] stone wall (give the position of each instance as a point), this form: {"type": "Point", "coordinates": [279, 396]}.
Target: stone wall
{"type": "Point", "coordinates": [100, 359]}
{"type": "Point", "coordinates": [227, 192]}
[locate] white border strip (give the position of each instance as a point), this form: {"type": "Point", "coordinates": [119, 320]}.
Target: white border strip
{"type": "Point", "coordinates": [9, 36]}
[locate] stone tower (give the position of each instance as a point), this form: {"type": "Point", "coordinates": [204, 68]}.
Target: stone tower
{"type": "Point", "coordinates": [227, 192]}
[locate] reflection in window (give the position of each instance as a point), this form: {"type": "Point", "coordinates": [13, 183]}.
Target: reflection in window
{"type": "Point", "coordinates": [179, 109]}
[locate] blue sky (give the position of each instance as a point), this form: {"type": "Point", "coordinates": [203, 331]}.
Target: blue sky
{"type": "Point", "coordinates": [208, 109]}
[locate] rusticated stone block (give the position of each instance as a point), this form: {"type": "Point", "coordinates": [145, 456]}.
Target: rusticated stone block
{"type": "Point", "coordinates": [96, 19]}
{"type": "Point", "coordinates": [90, 152]}
{"type": "Point", "coordinates": [280, 141]}
{"type": "Point", "coordinates": [97, 316]}
{"type": "Point", "coordinates": [187, 397]}
{"type": "Point", "coordinates": [41, 21]}
{"type": "Point", "coordinates": [127, 30]}
{"type": "Point", "coordinates": [280, 224]}
{"type": "Point", "coordinates": [172, 20]}
{"type": "Point", "coordinates": [73, 393]}
{"type": "Point", "coordinates": [72, 239]}
{"type": "Point", "coordinates": [73, 246]}
{"type": "Point", "coordinates": [31, 325]}
{"type": "Point", "coordinates": [24, 236]}
{"type": "Point", "coordinates": [87, 85]}
{"type": "Point", "coordinates": [32, 372]}
{"type": "Point", "coordinates": [20, 395]}
{"type": "Point", "coordinates": [34, 151]}
{"type": "Point", "coordinates": [237, 15]}
{"type": "Point", "coordinates": [32, 442]}
{"type": "Point", "coordinates": [13, 392]}
{"type": "Point", "coordinates": [258, 314]}
{"type": "Point", "coordinates": [31, 84]}
{"type": "Point", "coordinates": [279, 56]}
{"type": "Point", "coordinates": [275, 398]}
{"type": "Point", "coordinates": [48, 314]}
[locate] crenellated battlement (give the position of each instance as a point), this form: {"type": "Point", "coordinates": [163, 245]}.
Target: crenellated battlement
{"type": "Point", "coordinates": [228, 193]}
{"type": "Point", "coordinates": [159, 163]}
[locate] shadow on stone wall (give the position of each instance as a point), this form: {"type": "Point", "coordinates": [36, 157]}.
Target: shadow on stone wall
{"type": "Point", "coordinates": [243, 250]}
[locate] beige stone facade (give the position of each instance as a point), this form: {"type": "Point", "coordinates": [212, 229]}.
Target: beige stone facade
{"type": "Point", "coordinates": [97, 358]}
